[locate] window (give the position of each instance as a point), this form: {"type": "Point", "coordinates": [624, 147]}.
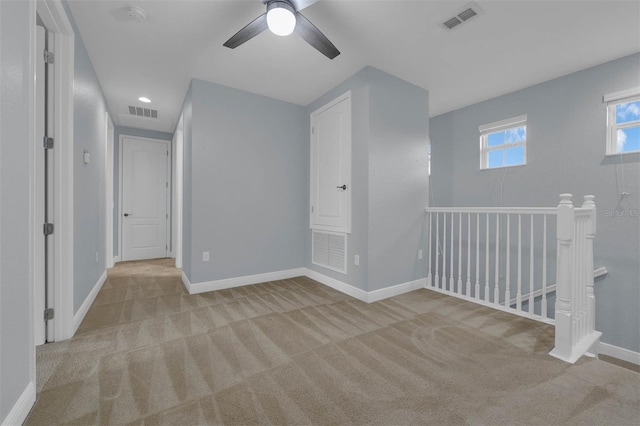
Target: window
{"type": "Point", "coordinates": [623, 121]}
{"type": "Point", "coordinates": [503, 143]}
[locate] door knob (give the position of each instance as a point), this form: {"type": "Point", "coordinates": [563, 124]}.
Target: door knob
{"type": "Point", "coordinates": [127, 214]}
{"type": "Point", "coordinates": [343, 187]}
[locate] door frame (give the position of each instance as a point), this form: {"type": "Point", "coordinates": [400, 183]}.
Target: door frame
{"type": "Point", "coordinates": [57, 22]}
{"type": "Point", "coordinates": [177, 169]}
{"type": "Point", "coordinates": [109, 204]}
{"type": "Point", "coordinates": [120, 187]}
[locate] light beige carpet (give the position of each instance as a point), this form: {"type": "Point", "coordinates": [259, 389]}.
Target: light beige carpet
{"type": "Point", "coordinates": [297, 352]}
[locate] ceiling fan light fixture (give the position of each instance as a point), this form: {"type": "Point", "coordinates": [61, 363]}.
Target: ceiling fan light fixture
{"type": "Point", "coordinates": [281, 17]}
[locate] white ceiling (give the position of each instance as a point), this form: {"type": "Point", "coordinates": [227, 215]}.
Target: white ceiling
{"type": "Point", "coordinates": [512, 45]}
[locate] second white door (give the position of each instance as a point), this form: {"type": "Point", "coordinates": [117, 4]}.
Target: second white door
{"type": "Point", "coordinates": [144, 198]}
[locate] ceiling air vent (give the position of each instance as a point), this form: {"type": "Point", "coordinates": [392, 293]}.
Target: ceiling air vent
{"type": "Point", "coordinates": [143, 112]}
{"type": "Point", "coordinates": [463, 15]}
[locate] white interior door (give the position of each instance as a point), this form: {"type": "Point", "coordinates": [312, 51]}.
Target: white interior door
{"type": "Point", "coordinates": [144, 198]}
{"type": "Point", "coordinates": [331, 166]}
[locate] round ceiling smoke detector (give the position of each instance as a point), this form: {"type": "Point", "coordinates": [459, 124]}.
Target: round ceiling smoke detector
{"type": "Point", "coordinates": [137, 13]}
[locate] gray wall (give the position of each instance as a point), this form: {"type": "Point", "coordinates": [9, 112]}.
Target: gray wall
{"type": "Point", "coordinates": [565, 153]}
{"type": "Point", "coordinates": [389, 179]}
{"type": "Point", "coordinates": [89, 206]}
{"type": "Point", "coordinates": [249, 179]}
{"type": "Point", "coordinates": [128, 131]}
{"type": "Point", "coordinates": [16, 130]}
{"type": "Point", "coordinates": [398, 179]}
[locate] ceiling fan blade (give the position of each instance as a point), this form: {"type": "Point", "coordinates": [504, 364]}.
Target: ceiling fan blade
{"type": "Point", "coordinates": [254, 28]}
{"type": "Point", "coordinates": [314, 37]}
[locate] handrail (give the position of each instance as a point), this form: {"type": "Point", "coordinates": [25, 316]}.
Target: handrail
{"type": "Point", "coordinates": [501, 210]}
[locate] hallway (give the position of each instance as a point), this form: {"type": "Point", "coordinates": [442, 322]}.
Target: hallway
{"type": "Point", "coordinates": [294, 351]}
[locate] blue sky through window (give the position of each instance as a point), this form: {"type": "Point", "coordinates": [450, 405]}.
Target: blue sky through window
{"type": "Point", "coordinates": [506, 154]}
{"type": "Point", "coordinates": [629, 139]}
{"type": "Point", "coordinates": [629, 111]}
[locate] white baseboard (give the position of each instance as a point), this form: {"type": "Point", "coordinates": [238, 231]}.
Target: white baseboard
{"type": "Point", "coordinates": [186, 283]}
{"type": "Point", "coordinates": [395, 290]}
{"type": "Point", "coordinates": [79, 316]}
{"type": "Point", "coordinates": [366, 296]}
{"type": "Point", "coordinates": [337, 285]}
{"type": "Point", "coordinates": [619, 353]}
{"type": "Point", "coordinates": [21, 408]}
{"type": "Point", "coordinates": [116, 259]}
{"type": "Point", "coordinates": [195, 288]}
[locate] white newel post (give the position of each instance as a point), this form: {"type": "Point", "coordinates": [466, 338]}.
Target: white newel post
{"type": "Point", "coordinates": [590, 232]}
{"type": "Point", "coordinates": [564, 326]}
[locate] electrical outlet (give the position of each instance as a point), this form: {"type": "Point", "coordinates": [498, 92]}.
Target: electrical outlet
{"type": "Point", "coordinates": [356, 260]}
{"type": "Point", "coordinates": [420, 254]}
{"type": "Point", "coordinates": [205, 256]}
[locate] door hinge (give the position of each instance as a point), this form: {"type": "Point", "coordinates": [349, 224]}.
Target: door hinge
{"type": "Point", "coordinates": [166, 215]}
{"type": "Point", "coordinates": [311, 209]}
{"type": "Point", "coordinates": [47, 228]}
{"type": "Point", "coordinates": [47, 142]}
{"type": "Point", "coordinates": [48, 314]}
{"type": "Point", "coordinates": [166, 184]}
{"type": "Point", "coordinates": [49, 57]}
{"type": "Point", "coordinates": [313, 130]}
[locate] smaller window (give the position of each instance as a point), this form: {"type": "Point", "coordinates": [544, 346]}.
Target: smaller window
{"type": "Point", "coordinates": [623, 122]}
{"type": "Point", "coordinates": [504, 143]}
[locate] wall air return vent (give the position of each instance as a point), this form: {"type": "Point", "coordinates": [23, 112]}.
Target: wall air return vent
{"type": "Point", "coordinates": [329, 250]}
{"type": "Point", "coordinates": [143, 112]}
{"type": "Point", "coordinates": [468, 12]}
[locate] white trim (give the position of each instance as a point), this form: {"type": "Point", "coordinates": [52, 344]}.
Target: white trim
{"type": "Point", "coordinates": [120, 183]}
{"type": "Point", "coordinates": [178, 190]}
{"type": "Point", "coordinates": [242, 281]}
{"type": "Point", "coordinates": [622, 94]}
{"type": "Point", "coordinates": [586, 346]}
{"type": "Point", "coordinates": [337, 285]}
{"type": "Point", "coordinates": [185, 282]}
{"type": "Point", "coordinates": [56, 20]}
{"type": "Point", "coordinates": [116, 259]}
{"type": "Point", "coordinates": [612, 126]}
{"type": "Point", "coordinates": [395, 290]}
{"type": "Point", "coordinates": [619, 353]}
{"type": "Point", "coordinates": [503, 124]}
{"type": "Point", "coordinates": [84, 308]}
{"type": "Point", "coordinates": [21, 408]}
{"type": "Point", "coordinates": [109, 204]}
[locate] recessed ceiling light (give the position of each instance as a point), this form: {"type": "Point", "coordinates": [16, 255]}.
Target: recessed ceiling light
{"type": "Point", "coordinates": [143, 99]}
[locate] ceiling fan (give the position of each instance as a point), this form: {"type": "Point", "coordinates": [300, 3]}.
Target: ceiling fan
{"type": "Point", "coordinates": [283, 17]}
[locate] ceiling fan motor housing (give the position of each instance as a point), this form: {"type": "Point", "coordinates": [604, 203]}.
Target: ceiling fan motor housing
{"type": "Point", "coordinates": [284, 4]}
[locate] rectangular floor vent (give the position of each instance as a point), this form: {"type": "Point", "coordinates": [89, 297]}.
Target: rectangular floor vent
{"type": "Point", "coordinates": [329, 250]}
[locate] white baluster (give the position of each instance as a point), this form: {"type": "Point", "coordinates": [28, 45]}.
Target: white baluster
{"type": "Point", "coordinates": [531, 286]}
{"type": "Point", "coordinates": [451, 282]}
{"type": "Point", "coordinates": [444, 252]}
{"type": "Point", "coordinates": [563, 317]}
{"type": "Point", "coordinates": [429, 283]}
{"type": "Point", "coordinates": [468, 293]}
{"type": "Point", "coordinates": [543, 311]}
{"type": "Point", "coordinates": [486, 269]}
{"type": "Point", "coordinates": [507, 291]}
{"type": "Point", "coordinates": [496, 286]}
{"type": "Point", "coordinates": [436, 282]}
{"type": "Point", "coordinates": [459, 253]}
{"type": "Point", "coordinates": [519, 290]}
{"type": "Point", "coordinates": [477, 256]}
